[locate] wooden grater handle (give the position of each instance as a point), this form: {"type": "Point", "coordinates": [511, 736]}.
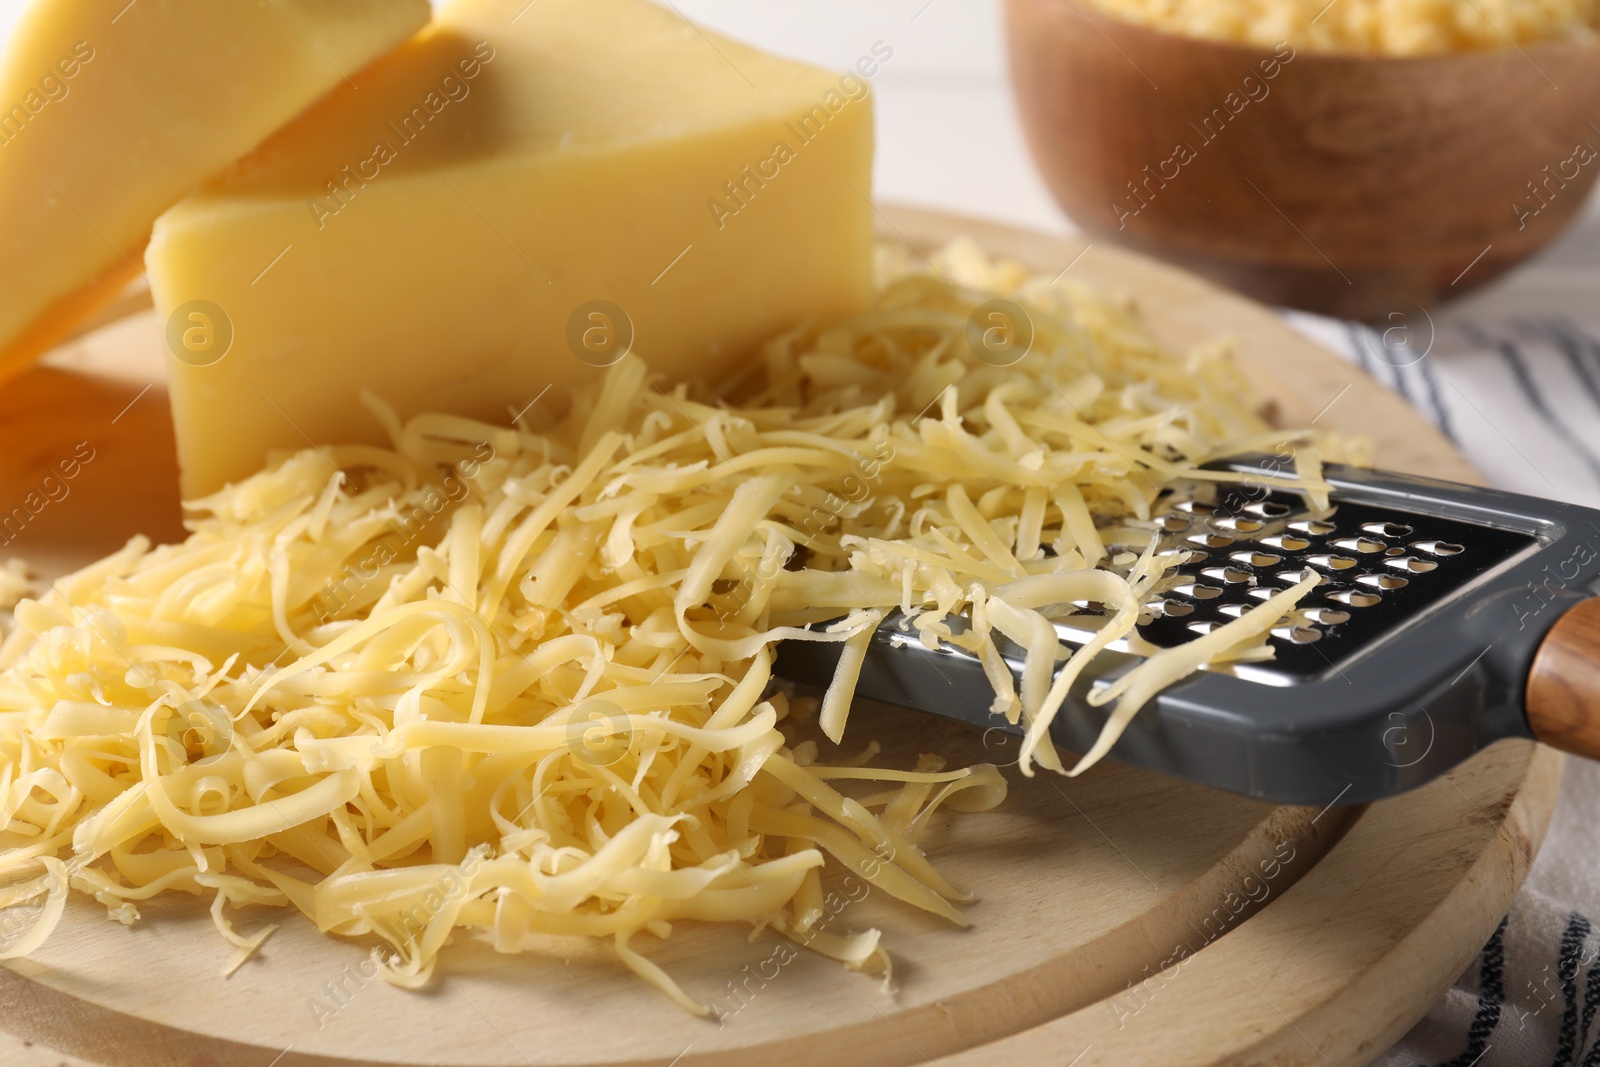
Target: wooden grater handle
{"type": "Point", "coordinates": [1563, 694]}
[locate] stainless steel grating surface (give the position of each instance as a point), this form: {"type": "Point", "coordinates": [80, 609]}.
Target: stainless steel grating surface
{"type": "Point", "coordinates": [1380, 569]}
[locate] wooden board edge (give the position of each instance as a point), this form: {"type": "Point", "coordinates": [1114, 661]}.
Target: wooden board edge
{"type": "Point", "coordinates": [1308, 984]}
{"type": "Point", "coordinates": [1466, 918]}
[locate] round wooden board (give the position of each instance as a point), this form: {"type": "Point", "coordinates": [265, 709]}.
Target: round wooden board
{"type": "Point", "coordinates": [1306, 936]}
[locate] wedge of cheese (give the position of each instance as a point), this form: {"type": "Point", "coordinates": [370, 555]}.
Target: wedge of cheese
{"type": "Point", "coordinates": [514, 199]}
{"type": "Point", "coordinates": [111, 110]}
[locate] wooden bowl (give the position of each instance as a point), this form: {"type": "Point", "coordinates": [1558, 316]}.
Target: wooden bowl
{"type": "Point", "coordinates": [1350, 185]}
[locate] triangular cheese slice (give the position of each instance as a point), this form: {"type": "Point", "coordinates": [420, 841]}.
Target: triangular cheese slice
{"type": "Point", "coordinates": [504, 204]}
{"type": "Point", "coordinates": [111, 110]}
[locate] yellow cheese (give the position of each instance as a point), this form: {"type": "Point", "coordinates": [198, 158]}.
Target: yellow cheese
{"type": "Point", "coordinates": [502, 204]}
{"type": "Point", "coordinates": [110, 111]}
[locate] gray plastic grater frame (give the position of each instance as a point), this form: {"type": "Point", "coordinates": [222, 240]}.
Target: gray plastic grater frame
{"type": "Point", "coordinates": [1441, 678]}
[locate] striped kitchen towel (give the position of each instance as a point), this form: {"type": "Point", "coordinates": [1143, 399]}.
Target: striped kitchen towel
{"type": "Point", "coordinates": [1530, 998]}
{"type": "Point", "coordinates": [1521, 398]}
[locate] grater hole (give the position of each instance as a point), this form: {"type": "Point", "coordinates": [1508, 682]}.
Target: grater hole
{"type": "Point", "coordinates": [1239, 548]}
{"type": "Point", "coordinates": [1327, 616]}
{"type": "Point", "coordinates": [1228, 575]}
{"type": "Point", "coordinates": [1360, 544]}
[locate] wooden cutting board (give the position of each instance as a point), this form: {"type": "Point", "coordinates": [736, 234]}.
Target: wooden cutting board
{"type": "Point", "coordinates": [1122, 918]}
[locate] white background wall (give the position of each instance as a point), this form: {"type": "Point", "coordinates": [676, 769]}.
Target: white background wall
{"type": "Point", "coordinates": [947, 133]}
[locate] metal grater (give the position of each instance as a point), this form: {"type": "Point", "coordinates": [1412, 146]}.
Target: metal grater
{"type": "Point", "coordinates": [1376, 572]}
{"type": "Point", "coordinates": [1411, 656]}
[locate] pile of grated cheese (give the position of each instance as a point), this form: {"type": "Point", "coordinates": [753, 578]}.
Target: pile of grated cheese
{"type": "Point", "coordinates": [517, 681]}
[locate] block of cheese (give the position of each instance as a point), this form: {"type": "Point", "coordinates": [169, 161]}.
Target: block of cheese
{"type": "Point", "coordinates": [110, 111]}
{"type": "Point", "coordinates": [513, 199]}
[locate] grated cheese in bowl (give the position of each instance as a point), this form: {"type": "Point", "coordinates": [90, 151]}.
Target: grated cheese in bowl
{"type": "Point", "coordinates": [531, 665]}
{"type": "Point", "coordinates": [1370, 27]}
